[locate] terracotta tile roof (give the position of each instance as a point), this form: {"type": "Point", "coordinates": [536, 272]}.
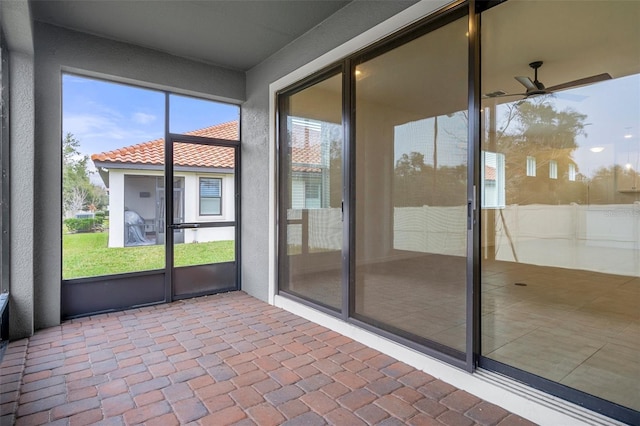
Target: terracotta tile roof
{"type": "Point", "coordinates": [489, 173]}
{"type": "Point", "coordinates": [189, 155]}
{"type": "Point", "coordinates": [305, 157]}
{"type": "Point", "coordinates": [305, 149]}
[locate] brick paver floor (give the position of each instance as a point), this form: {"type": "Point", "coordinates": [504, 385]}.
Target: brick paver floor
{"type": "Point", "coordinates": [218, 360]}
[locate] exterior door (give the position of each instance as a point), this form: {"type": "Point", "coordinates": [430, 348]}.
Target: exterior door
{"type": "Point", "coordinates": [202, 234]}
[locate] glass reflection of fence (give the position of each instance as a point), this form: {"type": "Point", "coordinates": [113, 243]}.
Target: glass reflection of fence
{"type": "Point", "coordinates": [315, 230]}
{"type": "Point", "coordinates": [604, 238]}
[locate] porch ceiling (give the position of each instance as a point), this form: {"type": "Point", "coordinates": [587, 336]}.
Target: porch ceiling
{"type": "Point", "coordinates": [236, 34]}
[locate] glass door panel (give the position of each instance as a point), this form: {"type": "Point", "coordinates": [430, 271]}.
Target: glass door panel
{"type": "Point", "coordinates": [204, 217]}
{"type": "Point", "coordinates": [560, 210]}
{"type": "Point", "coordinates": [311, 167]}
{"type": "Point", "coordinates": [411, 189]}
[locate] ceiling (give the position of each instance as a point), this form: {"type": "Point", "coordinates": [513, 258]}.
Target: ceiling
{"type": "Point", "coordinates": [574, 42]}
{"type": "Point", "coordinates": [236, 34]}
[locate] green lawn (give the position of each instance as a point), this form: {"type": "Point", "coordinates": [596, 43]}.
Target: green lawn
{"type": "Point", "coordinates": [87, 255]}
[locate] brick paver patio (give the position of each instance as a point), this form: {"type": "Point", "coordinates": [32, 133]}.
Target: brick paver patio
{"type": "Point", "coordinates": [218, 360]}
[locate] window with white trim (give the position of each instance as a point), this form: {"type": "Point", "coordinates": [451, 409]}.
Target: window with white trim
{"type": "Point", "coordinates": [531, 166]}
{"type": "Point", "coordinates": [210, 196]}
{"type": "Point", "coordinates": [553, 169]}
{"type": "Point", "coordinates": [572, 172]}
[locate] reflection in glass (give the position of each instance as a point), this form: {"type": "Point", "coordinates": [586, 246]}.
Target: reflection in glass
{"type": "Point", "coordinates": [411, 188]}
{"type": "Point", "coordinates": [311, 266]}
{"type": "Point", "coordinates": [561, 255]}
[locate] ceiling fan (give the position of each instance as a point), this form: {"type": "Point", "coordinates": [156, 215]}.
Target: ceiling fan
{"type": "Point", "coordinates": [535, 87]}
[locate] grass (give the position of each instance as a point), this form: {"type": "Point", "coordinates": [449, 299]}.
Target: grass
{"type": "Point", "coordinates": [87, 255]}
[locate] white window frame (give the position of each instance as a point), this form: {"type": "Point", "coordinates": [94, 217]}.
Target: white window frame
{"type": "Point", "coordinates": [200, 196]}
{"type": "Point", "coordinates": [553, 169]}
{"type": "Point", "coordinates": [531, 166]}
{"type": "Point", "coordinates": [572, 172]}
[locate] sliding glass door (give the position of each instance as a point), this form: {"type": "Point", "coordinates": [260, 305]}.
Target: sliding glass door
{"type": "Point", "coordinates": [411, 188]}
{"type": "Point", "coordinates": [373, 227]}
{"type": "Point", "coordinates": [311, 173]}
{"type": "Point", "coordinates": [561, 196]}
{"type": "Point", "coordinates": [524, 261]}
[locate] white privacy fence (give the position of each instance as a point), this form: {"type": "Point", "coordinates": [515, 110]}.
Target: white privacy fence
{"type": "Point", "coordinates": [438, 230]}
{"type": "Point", "coordinates": [604, 238]}
{"type": "Point", "coordinates": [324, 228]}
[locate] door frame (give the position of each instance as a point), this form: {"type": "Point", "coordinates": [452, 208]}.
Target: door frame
{"type": "Point", "coordinates": [80, 297]}
{"type": "Point", "coordinates": [170, 227]}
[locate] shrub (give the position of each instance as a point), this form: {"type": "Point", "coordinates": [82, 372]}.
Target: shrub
{"type": "Point", "coordinates": [84, 225]}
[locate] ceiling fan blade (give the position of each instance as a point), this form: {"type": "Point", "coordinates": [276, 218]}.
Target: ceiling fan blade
{"type": "Point", "coordinates": [501, 95]}
{"type": "Point", "coordinates": [580, 82]}
{"type": "Point", "coordinates": [527, 83]}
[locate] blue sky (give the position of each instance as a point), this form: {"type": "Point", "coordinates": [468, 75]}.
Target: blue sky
{"type": "Point", "coordinates": [613, 117]}
{"type": "Point", "coordinates": [106, 116]}
{"type": "Point", "coordinates": [613, 122]}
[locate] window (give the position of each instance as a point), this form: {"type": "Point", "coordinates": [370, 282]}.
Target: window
{"type": "Point", "coordinates": [572, 172]}
{"type": "Point", "coordinates": [210, 196]}
{"type": "Point", "coordinates": [493, 179]}
{"type": "Point", "coordinates": [553, 169]}
{"type": "Point", "coordinates": [312, 195]}
{"type": "Point", "coordinates": [531, 166]}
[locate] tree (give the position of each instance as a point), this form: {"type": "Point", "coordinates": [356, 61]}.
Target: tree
{"type": "Point", "coordinates": [535, 128]}
{"type": "Point", "coordinates": [77, 190]}
{"type": "Point", "coordinates": [415, 183]}
{"type": "Point", "coordinates": [77, 199]}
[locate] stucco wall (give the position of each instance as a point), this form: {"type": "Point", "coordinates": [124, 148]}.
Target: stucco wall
{"type": "Point", "coordinates": [347, 23]}
{"type": "Point", "coordinates": [58, 50]}
{"type": "Point", "coordinates": [15, 21]}
{"type": "Point", "coordinates": [22, 194]}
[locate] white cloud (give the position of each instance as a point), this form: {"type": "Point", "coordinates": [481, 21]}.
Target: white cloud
{"type": "Point", "coordinates": [99, 133]}
{"type": "Point", "coordinates": [143, 118]}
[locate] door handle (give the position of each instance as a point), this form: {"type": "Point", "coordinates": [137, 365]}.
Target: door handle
{"type": "Point", "coordinates": [184, 226]}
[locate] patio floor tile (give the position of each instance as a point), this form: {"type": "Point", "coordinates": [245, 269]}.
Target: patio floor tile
{"type": "Point", "coordinates": [217, 360]}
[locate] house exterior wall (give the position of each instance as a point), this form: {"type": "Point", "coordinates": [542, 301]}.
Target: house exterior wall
{"type": "Point", "coordinates": [124, 191]}
{"type": "Point", "coordinates": [116, 208]}
{"type": "Point", "coordinates": [257, 196]}
{"type": "Point", "coordinates": [58, 50]}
